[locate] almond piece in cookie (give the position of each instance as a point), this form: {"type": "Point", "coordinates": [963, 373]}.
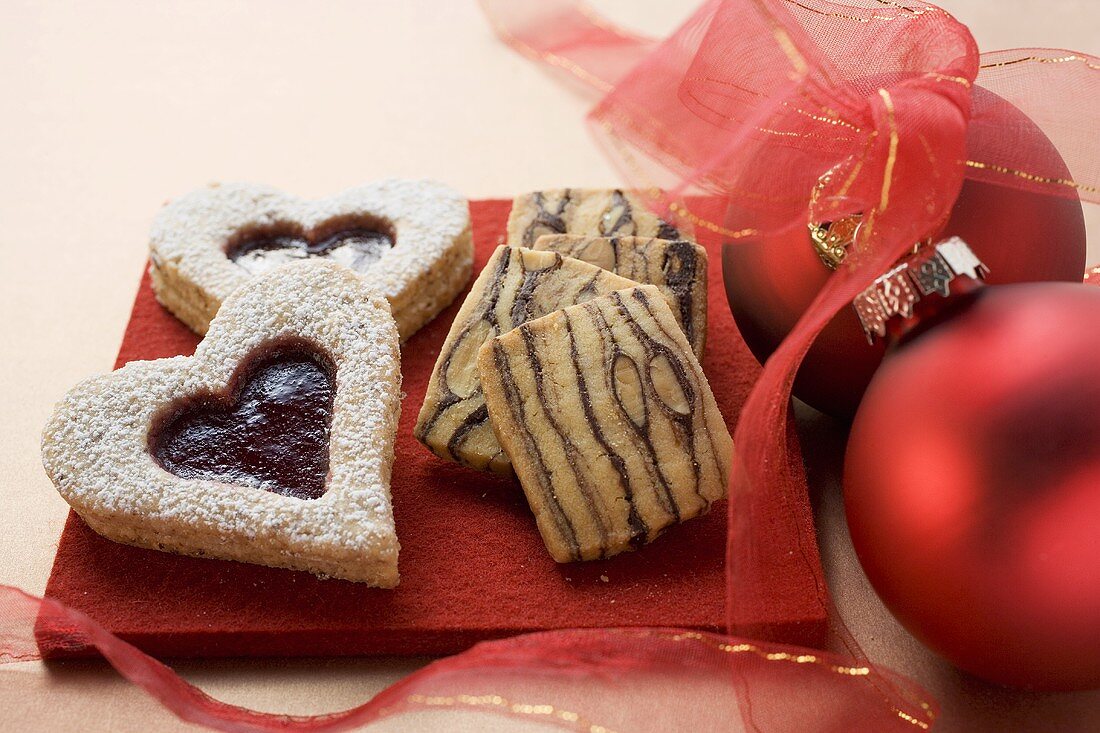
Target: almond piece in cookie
{"type": "Point", "coordinates": [676, 266]}
{"type": "Point", "coordinates": [516, 286]}
{"type": "Point", "coordinates": [408, 239]}
{"type": "Point", "coordinates": [273, 444]}
{"type": "Point", "coordinates": [593, 212]}
{"type": "Point", "coordinates": [609, 423]}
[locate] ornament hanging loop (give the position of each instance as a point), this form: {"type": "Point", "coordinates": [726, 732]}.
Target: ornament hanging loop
{"type": "Point", "coordinates": [928, 272]}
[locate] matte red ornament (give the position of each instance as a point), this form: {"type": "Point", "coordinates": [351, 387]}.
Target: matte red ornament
{"type": "Point", "coordinates": [972, 485]}
{"type": "Point", "coordinates": [1021, 235]}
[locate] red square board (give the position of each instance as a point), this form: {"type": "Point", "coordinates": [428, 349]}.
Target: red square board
{"type": "Point", "coordinates": [472, 563]}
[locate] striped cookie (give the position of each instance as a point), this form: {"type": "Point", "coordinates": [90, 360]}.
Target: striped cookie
{"type": "Point", "coordinates": [677, 267]}
{"type": "Point", "coordinates": [593, 212]}
{"type": "Point", "coordinates": [609, 423]}
{"type": "Point", "coordinates": [516, 286]}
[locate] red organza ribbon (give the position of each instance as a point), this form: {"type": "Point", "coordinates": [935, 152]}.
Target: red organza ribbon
{"type": "Point", "coordinates": [795, 110]}
{"type": "Point", "coordinates": [594, 680]}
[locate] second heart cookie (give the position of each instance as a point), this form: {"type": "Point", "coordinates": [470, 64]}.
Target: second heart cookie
{"type": "Point", "coordinates": [408, 239]}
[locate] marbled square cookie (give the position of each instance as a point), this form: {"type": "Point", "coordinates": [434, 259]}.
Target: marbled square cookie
{"type": "Point", "coordinates": [408, 239]}
{"type": "Point", "coordinates": [594, 212]}
{"type": "Point", "coordinates": [516, 286]}
{"type": "Point", "coordinates": [273, 444]}
{"type": "Point", "coordinates": [609, 423]}
{"type": "Point", "coordinates": [677, 267]}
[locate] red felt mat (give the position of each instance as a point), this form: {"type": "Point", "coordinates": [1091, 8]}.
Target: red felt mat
{"type": "Point", "coordinates": [472, 563]}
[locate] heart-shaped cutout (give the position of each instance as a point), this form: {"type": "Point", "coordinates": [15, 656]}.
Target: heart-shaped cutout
{"type": "Point", "coordinates": [353, 242]}
{"type": "Point", "coordinates": [269, 431]}
{"type": "Point", "coordinates": [409, 239]}
{"type": "Point", "coordinates": [273, 444]}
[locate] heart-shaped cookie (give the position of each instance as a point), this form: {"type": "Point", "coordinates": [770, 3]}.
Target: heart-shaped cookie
{"type": "Point", "coordinates": [273, 444]}
{"type": "Point", "coordinates": [409, 239]}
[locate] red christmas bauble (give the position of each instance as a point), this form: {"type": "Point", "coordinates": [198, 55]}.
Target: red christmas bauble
{"type": "Point", "coordinates": [1021, 236]}
{"type": "Point", "coordinates": [972, 485]}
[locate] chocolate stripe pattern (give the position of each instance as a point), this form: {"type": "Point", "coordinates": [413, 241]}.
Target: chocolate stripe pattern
{"type": "Point", "coordinates": [517, 285]}
{"type": "Point", "coordinates": [609, 423]}
{"type": "Point", "coordinates": [590, 212]}
{"type": "Point", "coordinates": [677, 267]}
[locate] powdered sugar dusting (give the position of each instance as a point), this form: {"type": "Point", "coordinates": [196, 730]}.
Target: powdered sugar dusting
{"type": "Point", "coordinates": [95, 447]}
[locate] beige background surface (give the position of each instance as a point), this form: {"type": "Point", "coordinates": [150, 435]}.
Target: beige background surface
{"type": "Point", "coordinates": [111, 107]}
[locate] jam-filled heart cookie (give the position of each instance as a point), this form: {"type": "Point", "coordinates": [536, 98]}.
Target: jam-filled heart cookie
{"type": "Point", "coordinates": [273, 444]}
{"type": "Point", "coordinates": [408, 239]}
{"type": "Point", "coordinates": [609, 423]}
{"type": "Point", "coordinates": [594, 212]}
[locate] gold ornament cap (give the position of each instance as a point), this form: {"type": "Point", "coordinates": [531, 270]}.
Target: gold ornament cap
{"type": "Point", "coordinates": [831, 240]}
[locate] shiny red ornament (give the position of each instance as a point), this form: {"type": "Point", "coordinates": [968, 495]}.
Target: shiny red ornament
{"type": "Point", "coordinates": [1022, 236]}
{"type": "Point", "coordinates": [972, 485]}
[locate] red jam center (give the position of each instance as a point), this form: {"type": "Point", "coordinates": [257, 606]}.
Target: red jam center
{"type": "Point", "coordinates": [357, 245]}
{"type": "Point", "coordinates": [270, 432]}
